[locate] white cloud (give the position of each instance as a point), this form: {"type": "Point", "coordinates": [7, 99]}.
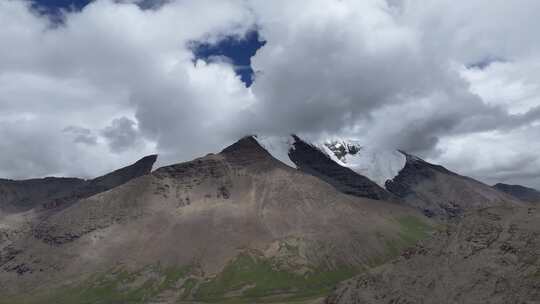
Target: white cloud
{"type": "Point", "coordinates": [111, 60]}
{"type": "Point", "coordinates": [390, 73]}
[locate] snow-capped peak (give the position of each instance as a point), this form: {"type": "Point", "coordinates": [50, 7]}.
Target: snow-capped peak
{"type": "Point", "coordinates": [278, 147]}
{"type": "Point", "coordinates": [342, 148]}
{"type": "Point", "coordinates": [379, 165]}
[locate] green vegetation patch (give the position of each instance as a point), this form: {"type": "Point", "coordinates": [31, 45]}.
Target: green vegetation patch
{"type": "Point", "coordinates": [413, 229]}
{"type": "Point", "coordinates": [247, 278]}
{"type": "Point", "coordinates": [250, 276]}
{"type": "Point", "coordinates": [116, 286]}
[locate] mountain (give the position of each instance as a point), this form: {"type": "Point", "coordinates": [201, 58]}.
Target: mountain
{"type": "Point", "coordinates": [26, 204]}
{"type": "Point", "coordinates": [20, 196]}
{"type": "Point", "coordinates": [237, 226]}
{"type": "Point", "coordinates": [520, 192]}
{"type": "Point", "coordinates": [384, 174]}
{"type": "Point", "coordinates": [440, 192]}
{"type": "Point", "coordinates": [379, 165]}
{"type": "Point", "coordinates": [23, 195]}
{"type": "Point", "coordinates": [312, 160]}
{"type": "Point", "coordinates": [336, 162]}
{"type": "Point", "coordinates": [491, 256]}
{"type": "Point", "coordinates": [267, 219]}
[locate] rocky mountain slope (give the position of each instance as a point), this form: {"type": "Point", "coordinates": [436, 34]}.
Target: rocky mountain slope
{"type": "Point", "coordinates": [520, 192]}
{"type": "Point", "coordinates": [265, 220]}
{"type": "Point", "coordinates": [491, 256]}
{"type": "Point", "coordinates": [440, 192]}
{"type": "Point", "coordinates": [26, 204]}
{"type": "Point", "coordinates": [234, 226]}
{"type": "Point", "coordinates": [20, 196]}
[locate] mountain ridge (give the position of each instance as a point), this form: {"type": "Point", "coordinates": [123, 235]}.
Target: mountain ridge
{"type": "Point", "coordinates": [430, 188]}
{"type": "Point", "coordinates": [52, 192]}
{"type": "Point", "coordinates": [523, 193]}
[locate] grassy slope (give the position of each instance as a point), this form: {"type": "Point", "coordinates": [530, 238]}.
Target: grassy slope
{"type": "Point", "coordinates": [117, 286]}
{"type": "Point", "coordinates": [247, 278]}
{"type": "Point", "coordinates": [257, 278]}
{"type": "Point", "coordinates": [412, 229]}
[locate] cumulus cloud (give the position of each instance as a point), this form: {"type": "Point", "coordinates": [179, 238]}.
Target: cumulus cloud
{"type": "Point", "coordinates": [110, 60]}
{"type": "Point", "coordinates": [120, 77]}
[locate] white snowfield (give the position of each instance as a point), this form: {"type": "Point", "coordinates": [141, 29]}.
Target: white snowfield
{"type": "Point", "coordinates": [278, 147]}
{"type": "Point", "coordinates": [379, 165]}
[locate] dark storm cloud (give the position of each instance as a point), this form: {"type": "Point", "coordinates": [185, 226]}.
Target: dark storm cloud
{"type": "Point", "coordinates": [82, 135]}
{"type": "Point", "coordinates": [151, 4]}
{"type": "Point", "coordinates": [484, 63]}
{"type": "Point", "coordinates": [122, 134]}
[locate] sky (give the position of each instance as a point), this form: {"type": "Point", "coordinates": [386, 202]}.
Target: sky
{"type": "Point", "coordinates": [87, 87]}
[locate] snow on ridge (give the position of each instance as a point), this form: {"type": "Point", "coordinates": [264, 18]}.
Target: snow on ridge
{"type": "Point", "coordinates": [379, 165]}
{"type": "Point", "coordinates": [278, 147]}
{"type": "Point", "coordinates": [329, 153]}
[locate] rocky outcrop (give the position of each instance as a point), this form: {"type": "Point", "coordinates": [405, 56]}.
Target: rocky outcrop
{"type": "Point", "coordinates": [489, 257]}
{"type": "Point", "coordinates": [520, 192]}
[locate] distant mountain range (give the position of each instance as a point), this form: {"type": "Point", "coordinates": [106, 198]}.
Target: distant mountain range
{"type": "Point", "coordinates": [52, 192]}
{"type": "Point", "coordinates": [523, 193]}
{"type": "Point", "coordinates": [268, 219]}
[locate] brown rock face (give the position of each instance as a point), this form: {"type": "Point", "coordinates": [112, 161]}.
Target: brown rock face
{"type": "Point", "coordinates": [491, 256]}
